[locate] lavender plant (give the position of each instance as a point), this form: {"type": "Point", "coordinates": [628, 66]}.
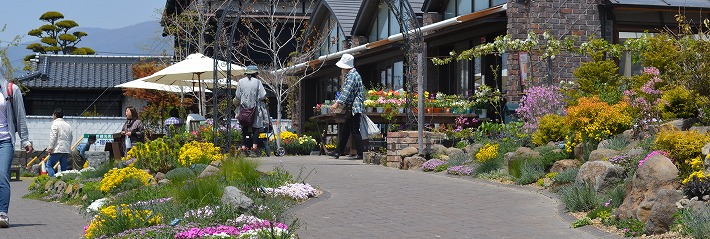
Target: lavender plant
{"type": "Point", "coordinates": [537, 102]}
{"type": "Point", "coordinates": [432, 164]}
{"type": "Point", "coordinates": [644, 101]}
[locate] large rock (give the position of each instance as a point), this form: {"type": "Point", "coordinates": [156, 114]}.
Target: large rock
{"type": "Point", "coordinates": [601, 154]}
{"type": "Point", "coordinates": [408, 152]}
{"type": "Point", "coordinates": [600, 174]}
{"type": "Point", "coordinates": [209, 171]}
{"type": "Point", "coordinates": [578, 152]}
{"type": "Point", "coordinates": [438, 149]}
{"type": "Point", "coordinates": [656, 174]}
{"type": "Point", "coordinates": [705, 150]}
{"type": "Point", "coordinates": [453, 151]}
{"type": "Point", "coordinates": [413, 162]}
{"type": "Point", "coordinates": [562, 165]}
{"type": "Point", "coordinates": [233, 196]}
{"type": "Point", "coordinates": [661, 215]}
{"type": "Point", "coordinates": [675, 124]}
{"type": "Point", "coordinates": [700, 129]}
{"type": "Point", "coordinates": [472, 148]}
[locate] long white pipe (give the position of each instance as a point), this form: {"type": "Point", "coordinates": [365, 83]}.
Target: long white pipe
{"type": "Point", "coordinates": [392, 38]}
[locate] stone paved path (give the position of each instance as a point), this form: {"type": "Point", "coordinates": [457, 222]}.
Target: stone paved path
{"type": "Point", "coordinates": [371, 201]}
{"type": "Point", "coordinates": [364, 201]}
{"type": "Point", "coordinates": [34, 219]}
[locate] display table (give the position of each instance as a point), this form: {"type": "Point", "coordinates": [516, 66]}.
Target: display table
{"type": "Point", "coordinates": [323, 121]}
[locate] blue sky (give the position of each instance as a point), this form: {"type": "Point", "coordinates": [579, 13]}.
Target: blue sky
{"type": "Point", "coordinates": [21, 16]}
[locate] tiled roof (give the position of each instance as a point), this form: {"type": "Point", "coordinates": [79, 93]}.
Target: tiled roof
{"type": "Point", "coordinates": [665, 3]}
{"type": "Point", "coordinates": [85, 72]}
{"type": "Point", "coordinates": [345, 12]}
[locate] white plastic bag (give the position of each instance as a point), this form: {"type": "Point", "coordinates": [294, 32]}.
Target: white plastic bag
{"type": "Point", "coordinates": [368, 129]}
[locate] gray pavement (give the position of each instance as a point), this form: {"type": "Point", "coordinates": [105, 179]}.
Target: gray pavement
{"type": "Point", "coordinates": [364, 201]}
{"type": "Point", "coordinates": [34, 219]}
{"type": "Point", "coordinates": [372, 201]}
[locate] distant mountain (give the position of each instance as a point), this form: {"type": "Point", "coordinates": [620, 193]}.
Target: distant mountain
{"type": "Point", "coordinates": [140, 39]}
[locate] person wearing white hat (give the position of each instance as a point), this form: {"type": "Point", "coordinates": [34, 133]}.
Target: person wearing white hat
{"type": "Point", "coordinates": [352, 96]}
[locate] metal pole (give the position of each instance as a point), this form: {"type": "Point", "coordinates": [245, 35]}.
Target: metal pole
{"type": "Point", "coordinates": [420, 100]}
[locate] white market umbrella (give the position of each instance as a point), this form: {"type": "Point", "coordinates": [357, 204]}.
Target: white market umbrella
{"type": "Point", "coordinates": [142, 84]}
{"type": "Point", "coordinates": [193, 68]}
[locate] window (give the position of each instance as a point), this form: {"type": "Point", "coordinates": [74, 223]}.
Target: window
{"type": "Point", "coordinates": [462, 7]}
{"type": "Point", "coordinates": [626, 66]}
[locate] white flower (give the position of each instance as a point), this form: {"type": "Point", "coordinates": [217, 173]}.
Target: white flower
{"type": "Point", "coordinates": [96, 205]}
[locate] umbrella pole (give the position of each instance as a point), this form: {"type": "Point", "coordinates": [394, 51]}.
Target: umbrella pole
{"type": "Point", "coordinates": [202, 95]}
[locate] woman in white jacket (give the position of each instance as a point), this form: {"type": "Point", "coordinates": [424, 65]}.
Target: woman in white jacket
{"type": "Point", "coordinates": [60, 138]}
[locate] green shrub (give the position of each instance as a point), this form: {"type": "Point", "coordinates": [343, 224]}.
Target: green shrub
{"type": "Point", "coordinates": [530, 171]}
{"type": "Point", "coordinates": [582, 222]}
{"type": "Point", "coordinates": [599, 212]}
{"type": "Point", "coordinates": [37, 186]}
{"type": "Point", "coordinates": [617, 143]}
{"type": "Point", "coordinates": [696, 221]}
{"type": "Point", "coordinates": [91, 191]}
{"type": "Point", "coordinates": [678, 103]}
{"type": "Point", "coordinates": [200, 192]}
{"type": "Point", "coordinates": [99, 171]}
{"type": "Point", "coordinates": [515, 166]}
{"type": "Point", "coordinates": [241, 172]}
{"type": "Point", "coordinates": [488, 166]}
{"type": "Point", "coordinates": [157, 155]}
{"type": "Point", "coordinates": [551, 154]}
{"type": "Point", "coordinates": [550, 129]}
{"type": "Point", "coordinates": [616, 195]}
{"type": "Point", "coordinates": [566, 176]}
{"type": "Point", "coordinates": [600, 78]}
{"type": "Point", "coordinates": [682, 146]}
{"type": "Point", "coordinates": [276, 178]}
{"type": "Point", "coordinates": [457, 159]}
{"type": "Point", "coordinates": [580, 197]}
{"type": "Point", "coordinates": [632, 227]}
{"type": "Point", "coordinates": [461, 144]}
{"type": "Point", "coordinates": [180, 174]}
{"type": "Point", "coordinates": [441, 168]}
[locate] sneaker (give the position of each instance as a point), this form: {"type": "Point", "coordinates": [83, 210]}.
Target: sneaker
{"type": "Point", "coordinates": [4, 221]}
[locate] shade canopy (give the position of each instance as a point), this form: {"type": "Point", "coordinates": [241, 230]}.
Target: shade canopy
{"type": "Point", "coordinates": [142, 84]}
{"type": "Point", "coordinates": [195, 67]}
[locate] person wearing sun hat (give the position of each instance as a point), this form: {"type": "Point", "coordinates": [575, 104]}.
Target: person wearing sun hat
{"type": "Point", "coordinates": [352, 96]}
{"type": "Point", "coordinates": [250, 94]}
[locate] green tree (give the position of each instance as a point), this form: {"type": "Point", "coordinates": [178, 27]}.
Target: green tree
{"type": "Point", "coordinates": [56, 38]}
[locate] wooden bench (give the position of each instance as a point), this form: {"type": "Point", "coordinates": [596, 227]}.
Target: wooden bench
{"type": "Point", "coordinates": [15, 169]}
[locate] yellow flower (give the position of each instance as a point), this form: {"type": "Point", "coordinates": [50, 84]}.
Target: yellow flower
{"type": "Point", "coordinates": [196, 152]}
{"type": "Point", "coordinates": [488, 152]}
{"type": "Point", "coordinates": [115, 177]}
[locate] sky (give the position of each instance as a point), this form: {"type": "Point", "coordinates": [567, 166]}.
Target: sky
{"type": "Point", "coordinates": [21, 16]}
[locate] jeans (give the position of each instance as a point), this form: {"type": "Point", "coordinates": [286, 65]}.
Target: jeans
{"type": "Point", "coordinates": [7, 152]}
{"type": "Point", "coordinates": [53, 158]}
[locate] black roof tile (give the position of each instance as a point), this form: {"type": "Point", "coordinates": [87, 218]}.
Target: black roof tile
{"type": "Point", "coordinates": [84, 72]}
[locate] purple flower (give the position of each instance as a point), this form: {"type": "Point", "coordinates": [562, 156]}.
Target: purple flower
{"type": "Point", "coordinates": [432, 164]}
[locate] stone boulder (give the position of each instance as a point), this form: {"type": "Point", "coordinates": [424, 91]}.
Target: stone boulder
{"type": "Point", "coordinates": [413, 163]}
{"type": "Point", "coordinates": [601, 154]}
{"type": "Point", "coordinates": [578, 152]}
{"type": "Point", "coordinates": [234, 197]}
{"type": "Point", "coordinates": [472, 148]}
{"type": "Point", "coordinates": [674, 124]}
{"type": "Point", "coordinates": [438, 149]}
{"type": "Point", "coordinates": [562, 165]}
{"type": "Point", "coordinates": [453, 151]}
{"type": "Point", "coordinates": [408, 152]}
{"type": "Point", "coordinates": [600, 174]}
{"type": "Point", "coordinates": [705, 150]}
{"type": "Point", "coordinates": [700, 129]}
{"type": "Point", "coordinates": [209, 171]}
{"type": "Point", "coordinates": [660, 216]}
{"type": "Point", "coordinates": [656, 174]}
